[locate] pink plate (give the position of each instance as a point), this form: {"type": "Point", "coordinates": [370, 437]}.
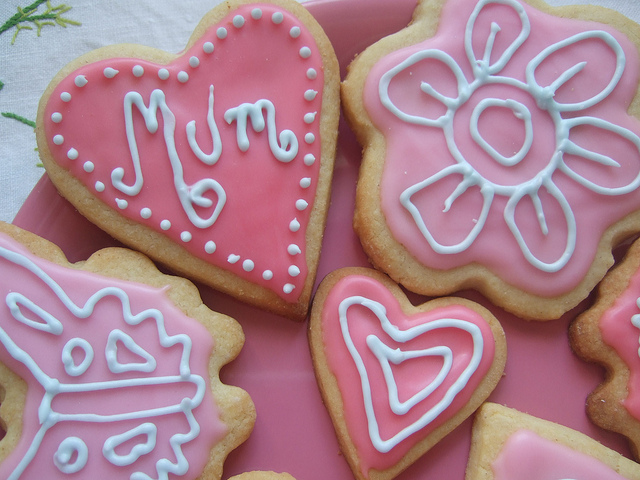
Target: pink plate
{"type": "Point", "coordinates": [293, 432]}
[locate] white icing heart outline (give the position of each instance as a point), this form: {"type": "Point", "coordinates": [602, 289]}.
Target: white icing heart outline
{"type": "Point", "coordinates": [403, 336]}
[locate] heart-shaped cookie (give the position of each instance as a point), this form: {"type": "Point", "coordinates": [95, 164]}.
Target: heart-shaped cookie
{"type": "Point", "coordinates": [216, 162]}
{"type": "Point", "coordinates": [397, 378]}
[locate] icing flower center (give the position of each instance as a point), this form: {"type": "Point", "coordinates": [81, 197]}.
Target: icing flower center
{"type": "Point", "coordinates": [503, 121]}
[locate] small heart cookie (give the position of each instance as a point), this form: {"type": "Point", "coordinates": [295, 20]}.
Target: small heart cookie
{"type": "Point", "coordinates": [397, 378]}
{"type": "Point", "coordinates": [216, 162]}
{"type": "Point", "coordinates": [110, 368]}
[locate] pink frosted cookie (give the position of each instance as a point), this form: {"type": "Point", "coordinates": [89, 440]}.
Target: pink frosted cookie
{"type": "Point", "coordinates": [501, 150]}
{"type": "Point", "coordinates": [608, 333]}
{"type": "Point", "coordinates": [397, 378]}
{"type": "Point", "coordinates": [216, 162]}
{"type": "Point", "coordinates": [110, 369]}
{"type": "Point", "coordinates": [507, 444]}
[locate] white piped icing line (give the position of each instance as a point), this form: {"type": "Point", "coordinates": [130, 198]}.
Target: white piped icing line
{"type": "Point", "coordinates": [72, 453]}
{"type": "Point", "coordinates": [487, 73]}
{"type": "Point", "coordinates": [388, 356]}
{"type": "Point", "coordinates": [207, 192]}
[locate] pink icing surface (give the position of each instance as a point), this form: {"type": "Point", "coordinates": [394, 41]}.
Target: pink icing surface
{"type": "Point", "coordinates": [416, 152]}
{"type": "Point", "coordinates": [618, 332]}
{"type": "Point", "coordinates": [527, 456]}
{"type": "Point", "coordinates": [411, 375]}
{"type": "Point", "coordinates": [45, 349]}
{"type": "Point", "coordinates": [263, 195]}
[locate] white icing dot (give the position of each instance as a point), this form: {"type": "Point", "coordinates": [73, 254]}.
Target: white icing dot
{"type": "Point", "coordinates": [267, 274]}
{"type": "Point", "coordinates": [207, 47]}
{"type": "Point", "coordinates": [99, 186]}
{"type": "Point", "coordinates": [312, 74]}
{"type": "Point", "coordinates": [294, 32]}
{"type": "Point", "coordinates": [294, 249]}
{"type": "Point", "coordinates": [210, 246]}
{"type": "Point", "coordinates": [186, 236]}
{"type": "Point", "coordinates": [310, 95]}
{"type": "Point", "coordinates": [221, 33]}
{"type": "Point", "coordinates": [56, 117]}
{"type": "Point", "coordinates": [233, 258]}
{"type": "Point", "coordinates": [294, 271]}
{"type": "Point", "coordinates": [305, 182]}
{"type": "Point", "coordinates": [165, 224]}
{"type": "Point", "coordinates": [309, 138]}
{"type": "Point", "coordinates": [238, 21]}
{"type": "Point", "coordinates": [81, 81]}
{"type": "Point", "coordinates": [122, 203]}
{"type": "Point", "coordinates": [256, 14]}
{"type": "Point", "coordinates": [194, 62]}
{"type": "Point", "coordinates": [294, 226]}
{"type": "Point", "coordinates": [58, 139]}
{"type": "Point", "coordinates": [138, 70]}
{"type": "Point", "coordinates": [72, 154]}
{"type": "Point", "coordinates": [309, 159]}
{"type": "Point", "coordinates": [65, 96]}
{"type": "Point", "coordinates": [277, 18]}
{"type": "Point", "coordinates": [288, 288]}
{"type": "Point", "coordinates": [88, 167]}
{"type": "Point", "coordinates": [305, 52]}
{"type": "Point", "coordinates": [301, 204]}
{"type": "Point", "coordinates": [145, 213]}
{"type": "Point", "coordinates": [183, 77]}
{"type": "Point", "coordinates": [110, 72]}
{"type": "Point", "coordinates": [163, 74]}
{"type": "Point", "coordinates": [310, 117]}
{"type": "Point", "coordinates": [248, 265]}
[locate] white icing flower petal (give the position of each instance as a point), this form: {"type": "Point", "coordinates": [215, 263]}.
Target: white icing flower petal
{"type": "Point", "coordinates": [464, 188]}
{"type": "Point", "coordinates": [564, 52]}
{"type": "Point", "coordinates": [482, 63]}
{"type": "Point", "coordinates": [419, 65]}
{"type": "Point", "coordinates": [600, 171]}
{"type": "Point", "coordinates": [554, 199]}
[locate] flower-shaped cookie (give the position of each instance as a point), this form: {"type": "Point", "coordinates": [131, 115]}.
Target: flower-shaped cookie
{"type": "Point", "coordinates": [111, 368]}
{"type": "Point", "coordinates": [506, 135]}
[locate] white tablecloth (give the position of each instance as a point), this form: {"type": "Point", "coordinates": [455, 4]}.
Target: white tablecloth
{"type": "Point", "coordinates": [29, 59]}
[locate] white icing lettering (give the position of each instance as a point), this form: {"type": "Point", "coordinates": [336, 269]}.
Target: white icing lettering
{"type": "Point", "coordinates": [189, 195]}
{"type": "Point", "coordinates": [287, 148]}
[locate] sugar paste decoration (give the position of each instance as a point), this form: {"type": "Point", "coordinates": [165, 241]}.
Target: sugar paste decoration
{"type": "Point", "coordinates": [399, 376]}
{"type": "Point", "coordinates": [217, 150]}
{"type": "Point", "coordinates": [110, 390]}
{"type": "Point", "coordinates": [532, 183]}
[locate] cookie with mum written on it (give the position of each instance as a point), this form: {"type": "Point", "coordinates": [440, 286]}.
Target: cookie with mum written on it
{"type": "Point", "coordinates": [508, 444]}
{"type": "Point", "coordinates": [397, 378]}
{"type": "Point", "coordinates": [607, 333]}
{"type": "Point", "coordinates": [216, 161]}
{"type": "Point", "coordinates": [501, 150]}
{"type": "Point", "coordinates": [110, 368]}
